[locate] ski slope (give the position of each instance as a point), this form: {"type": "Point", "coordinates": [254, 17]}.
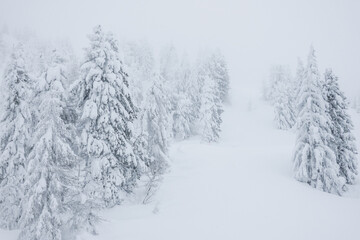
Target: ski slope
{"type": "Point", "coordinates": [240, 188]}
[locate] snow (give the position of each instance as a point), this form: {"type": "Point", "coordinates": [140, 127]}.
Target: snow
{"type": "Point", "coordinates": [240, 188]}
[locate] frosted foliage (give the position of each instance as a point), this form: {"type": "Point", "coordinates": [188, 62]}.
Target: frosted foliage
{"type": "Point", "coordinates": [281, 95]}
{"type": "Point", "coordinates": [220, 73]}
{"type": "Point", "coordinates": [211, 106]}
{"type": "Point", "coordinates": [284, 112]}
{"type": "Point", "coordinates": [50, 182]}
{"type": "Point", "coordinates": [140, 62]}
{"type": "Point", "coordinates": [343, 143]}
{"type": "Point", "coordinates": [15, 136]}
{"type": "Point", "coordinates": [106, 121]}
{"type": "Point", "coordinates": [314, 160]}
{"type": "Point", "coordinates": [155, 121]}
{"type": "Point", "coordinates": [185, 102]}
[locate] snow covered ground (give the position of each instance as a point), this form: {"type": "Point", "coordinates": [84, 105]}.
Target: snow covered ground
{"type": "Point", "coordinates": [240, 188]}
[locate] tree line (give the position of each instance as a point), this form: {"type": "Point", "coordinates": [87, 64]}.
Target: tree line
{"type": "Point", "coordinates": [313, 105]}
{"type": "Point", "coordinates": [80, 136]}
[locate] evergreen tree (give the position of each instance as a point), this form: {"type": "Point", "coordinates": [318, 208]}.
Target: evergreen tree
{"type": "Point", "coordinates": [211, 106]}
{"type": "Point", "coordinates": [221, 75]}
{"type": "Point", "coordinates": [15, 137]}
{"type": "Point", "coordinates": [140, 62]}
{"type": "Point", "coordinates": [284, 112]}
{"type": "Point", "coordinates": [299, 78]}
{"type": "Point", "coordinates": [107, 113]}
{"type": "Point", "coordinates": [51, 178]}
{"type": "Point", "coordinates": [343, 144]}
{"type": "Point", "coordinates": [155, 121]}
{"type": "Point", "coordinates": [314, 160]}
{"type": "Point", "coordinates": [281, 95]}
{"type": "Point", "coordinates": [185, 102]}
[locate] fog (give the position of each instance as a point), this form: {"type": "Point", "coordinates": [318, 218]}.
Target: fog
{"type": "Point", "coordinates": [252, 34]}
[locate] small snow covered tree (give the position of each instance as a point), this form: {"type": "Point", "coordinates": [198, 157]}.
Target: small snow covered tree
{"type": "Point", "coordinates": [314, 160]}
{"type": "Point", "coordinates": [284, 112]}
{"type": "Point", "coordinates": [211, 105]}
{"type": "Point", "coordinates": [107, 113]}
{"type": "Point", "coordinates": [343, 144]}
{"type": "Point", "coordinates": [15, 139]}
{"type": "Point", "coordinates": [281, 96]}
{"type": "Point", "coordinates": [299, 78]}
{"type": "Point", "coordinates": [51, 173]}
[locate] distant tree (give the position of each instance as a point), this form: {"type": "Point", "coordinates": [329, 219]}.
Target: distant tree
{"type": "Point", "coordinates": [221, 75]}
{"type": "Point", "coordinates": [185, 102]}
{"type": "Point", "coordinates": [16, 130]}
{"type": "Point", "coordinates": [140, 64]}
{"type": "Point", "coordinates": [343, 144]}
{"type": "Point", "coordinates": [282, 97]}
{"type": "Point", "coordinates": [211, 106]}
{"type": "Point", "coordinates": [155, 121]}
{"type": "Point", "coordinates": [314, 160]}
{"type": "Point", "coordinates": [169, 65]}
{"type": "Point", "coordinates": [284, 109]}
{"type": "Point", "coordinates": [299, 78]}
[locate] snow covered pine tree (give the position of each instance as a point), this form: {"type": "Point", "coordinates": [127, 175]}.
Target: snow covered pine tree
{"type": "Point", "coordinates": [15, 139]}
{"type": "Point", "coordinates": [154, 122]}
{"type": "Point", "coordinates": [314, 160]}
{"type": "Point", "coordinates": [282, 97]}
{"type": "Point", "coordinates": [185, 104]}
{"type": "Point", "coordinates": [343, 144]}
{"type": "Point", "coordinates": [51, 176]}
{"type": "Point", "coordinates": [107, 112]}
{"type": "Point", "coordinates": [211, 105]}
{"type": "Point", "coordinates": [221, 75]}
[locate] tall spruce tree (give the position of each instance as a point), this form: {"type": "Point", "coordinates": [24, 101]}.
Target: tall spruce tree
{"type": "Point", "coordinates": [51, 177]}
{"type": "Point", "coordinates": [343, 144]}
{"type": "Point", "coordinates": [314, 160]}
{"type": "Point", "coordinates": [15, 139]}
{"type": "Point", "coordinates": [107, 113]}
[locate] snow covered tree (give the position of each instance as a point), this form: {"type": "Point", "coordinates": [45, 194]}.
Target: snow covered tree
{"type": "Point", "coordinates": [139, 61]}
{"type": "Point", "coordinates": [107, 113]}
{"type": "Point", "coordinates": [169, 65]}
{"type": "Point", "coordinates": [221, 75]}
{"type": "Point", "coordinates": [343, 144]}
{"type": "Point", "coordinates": [299, 77]}
{"type": "Point", "coordinates": [155, 121]}
{"type": "Point", "coordinates": [51, 173]}
{"type": "Point", "coordinates": [211, 106]}
{"type": "Point", "coordinates": [15, 137]}
{"type": "Point", "coordinates": [185, 102]}
{"type": "Point", "coordinates": [282, 97]}
{"type": "Point", "coordinates": [314, 160]}
{"type": "Point", "coordinates": [284, 112]}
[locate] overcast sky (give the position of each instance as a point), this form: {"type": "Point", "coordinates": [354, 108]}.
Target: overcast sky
{"type": "Point", "coordinates": [252, 34]}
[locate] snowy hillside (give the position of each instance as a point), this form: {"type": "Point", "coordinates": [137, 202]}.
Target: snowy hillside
{"type": "Point", "coordinates": [179, 120]}
{"type": "Point", "coordinates": [241, 188]}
